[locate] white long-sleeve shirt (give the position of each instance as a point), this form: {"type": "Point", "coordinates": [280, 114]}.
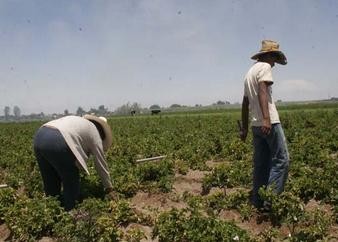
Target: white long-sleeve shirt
{"type": "Point", "coordinates": [83, 139]}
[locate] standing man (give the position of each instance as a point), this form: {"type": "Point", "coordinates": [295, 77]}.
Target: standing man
{"type": "Point", "coordinates": [271, 157]}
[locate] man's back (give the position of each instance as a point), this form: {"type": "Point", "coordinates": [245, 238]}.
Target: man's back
{"type": "Point", "coordinates": [81, 136]}
{"type": "Point", "coordinates": [259, 72]}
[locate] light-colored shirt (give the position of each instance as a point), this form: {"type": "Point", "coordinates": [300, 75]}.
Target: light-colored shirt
{"type": "Point", "coordinates": [83, 139]}
{"type": "Point", "coordinates": [259, 72]}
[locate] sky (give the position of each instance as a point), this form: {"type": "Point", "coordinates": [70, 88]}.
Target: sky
{"type": "Point", "coordinates": [57, 55]}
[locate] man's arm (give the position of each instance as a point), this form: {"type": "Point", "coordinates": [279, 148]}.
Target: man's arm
{"type": "Point", "coordinates": [101, 165]}
{"type": "Point", "coordinates": [263, 103]}
{"type": "Point", "coordinates": [245, 118]}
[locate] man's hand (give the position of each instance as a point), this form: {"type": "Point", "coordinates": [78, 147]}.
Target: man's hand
{"type": "Point", "coordinates": [243, 133]}
{"type": "Point", "coordinates": [243, 126]}
{"type": "Point", "coordinates": [266, 127]}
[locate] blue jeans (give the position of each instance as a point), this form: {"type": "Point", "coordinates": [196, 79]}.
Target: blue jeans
{"type": "Point", "coordinates": [271, 161]}
{"type": "Point", "coordinates": [57, 166]}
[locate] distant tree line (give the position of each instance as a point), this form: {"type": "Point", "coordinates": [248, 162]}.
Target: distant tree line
{"type": "Point", "coordinates": [16, 113]}
{"type": "Point", "coordinates": [125, 109]}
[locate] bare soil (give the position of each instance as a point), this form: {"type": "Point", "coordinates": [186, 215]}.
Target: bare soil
{"type": "Point", "coordinates": [191, 182]}
{"type": "Point", "coordinates": [5, 233]}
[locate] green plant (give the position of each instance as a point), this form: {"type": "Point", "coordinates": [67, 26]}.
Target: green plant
{"type": "Point", "coordinates": [303, 225]}
{"type": "Point", "coordinates": [314, 228]}
{"type": "Point", "coordinates": [268, 235]}
{"type": "Point", "coordinates": [82, 225]}
{"type": "Point", "coordinates": [285, 207]}
{"type": "Point", "coordinates": [227, 176]}
{"type": "Point", "coordinates": [186, 225]}
{"type": "Point", "coordinates": [93, 220]}
{"type": "Point", "coordinates": [30, 219]}
{"type": "Point", "coordinates": [157, 175]}
{"type": "Point", "coordinates": [181, 167]}
{"type": "Point", "coordinates": [121, 212]}
{"type": "Point", "coordinates": [134, 235]}
{"type": "Point", "coordinates": [7, 199]}
{"type": "Point", "coordinates": [218, 178]}
{"type": "Point", "coordinates": [215, 203]}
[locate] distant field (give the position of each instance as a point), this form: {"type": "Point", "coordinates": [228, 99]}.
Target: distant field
{"type": "Point", "coordinates": [237, 107]}
{"type": "Point", "coordinates": [199, 192]}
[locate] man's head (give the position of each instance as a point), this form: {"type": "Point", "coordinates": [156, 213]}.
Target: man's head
{"type": "Point", "coordinates": [99, 128]}
{"type": "Point", "coordinates": [270, 53]}
{"type": "Point", "coordinates": [103, 128]}
{"type": "Point", "coordinates": [269, 57]}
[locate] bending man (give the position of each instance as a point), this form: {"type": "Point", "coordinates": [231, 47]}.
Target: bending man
{"type": "Point", "coordinates": [63, 146]}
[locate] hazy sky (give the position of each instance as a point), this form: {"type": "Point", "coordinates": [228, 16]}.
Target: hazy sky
{"type": "Point", "coordinates": [63, 54]}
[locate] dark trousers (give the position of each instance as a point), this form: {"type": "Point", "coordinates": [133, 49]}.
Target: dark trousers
{"type": "Point", "coordinates": [57, 166]}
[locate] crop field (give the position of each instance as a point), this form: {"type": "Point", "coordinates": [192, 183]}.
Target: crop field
{"type": "Point", "coordinates": [199, 192]}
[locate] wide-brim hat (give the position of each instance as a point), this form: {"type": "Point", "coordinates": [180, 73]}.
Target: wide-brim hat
{"type": "Point", "coordinates": [108, 140]}
{"type": "Point", "coordinates": [270, 46]}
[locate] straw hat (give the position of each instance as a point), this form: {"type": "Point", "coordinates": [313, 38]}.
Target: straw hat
{"type": "Point", "coordinates": [270, 46]}
{"type": "Point", "coordinates": [108, 140]}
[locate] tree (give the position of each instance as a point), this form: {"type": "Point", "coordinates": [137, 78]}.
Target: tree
{"type": "Point", "coordinates": [155, 107]}
{"type": "Point", "coordinates": [93, 111]}
{"type": "Point", "coordinates": [135, 107]}
{"type": "Point", "coordinates": [124, 109]}
{"type": "Point", "coordinates": [80, 111]}
{"type": "Point", "coordinates": [66, 112]}
{"type": "Point", "coordinates": [175, 105]}
{"type": "Point", "coordinates": [220, 103]}
{"type": "Point", "coordinates": [7, 110]}
{"type": "Point", "coordinates": [127, 109]}
{"type": "Point", "coordinates": [16, 111]}
{"type": "Point", "coordinates": [102, 110]}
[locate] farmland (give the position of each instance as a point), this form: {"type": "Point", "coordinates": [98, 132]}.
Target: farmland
{"type": "Point", "coordinates": [199, 192]}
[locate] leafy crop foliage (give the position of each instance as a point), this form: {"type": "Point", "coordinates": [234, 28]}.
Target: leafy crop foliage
{"type": "Point", "coordinates": [7, 199]}
{"type": "Point", "coordinates": [188, 140]}
{"type": "Point", "coordinates": [215, 203]}
{"type": "Point", "coordinates": [156, 175]}
{"type": "Point", "coordinates": [228, 176]}
{"type": "Point", "coordinates": [303, 225]}
{"type": "Point", "coordinates": [32, 218]}
{"type": "Point", "coordinates": [191, 225]}
{"type": "Point", "coordinates": [95, 220]}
